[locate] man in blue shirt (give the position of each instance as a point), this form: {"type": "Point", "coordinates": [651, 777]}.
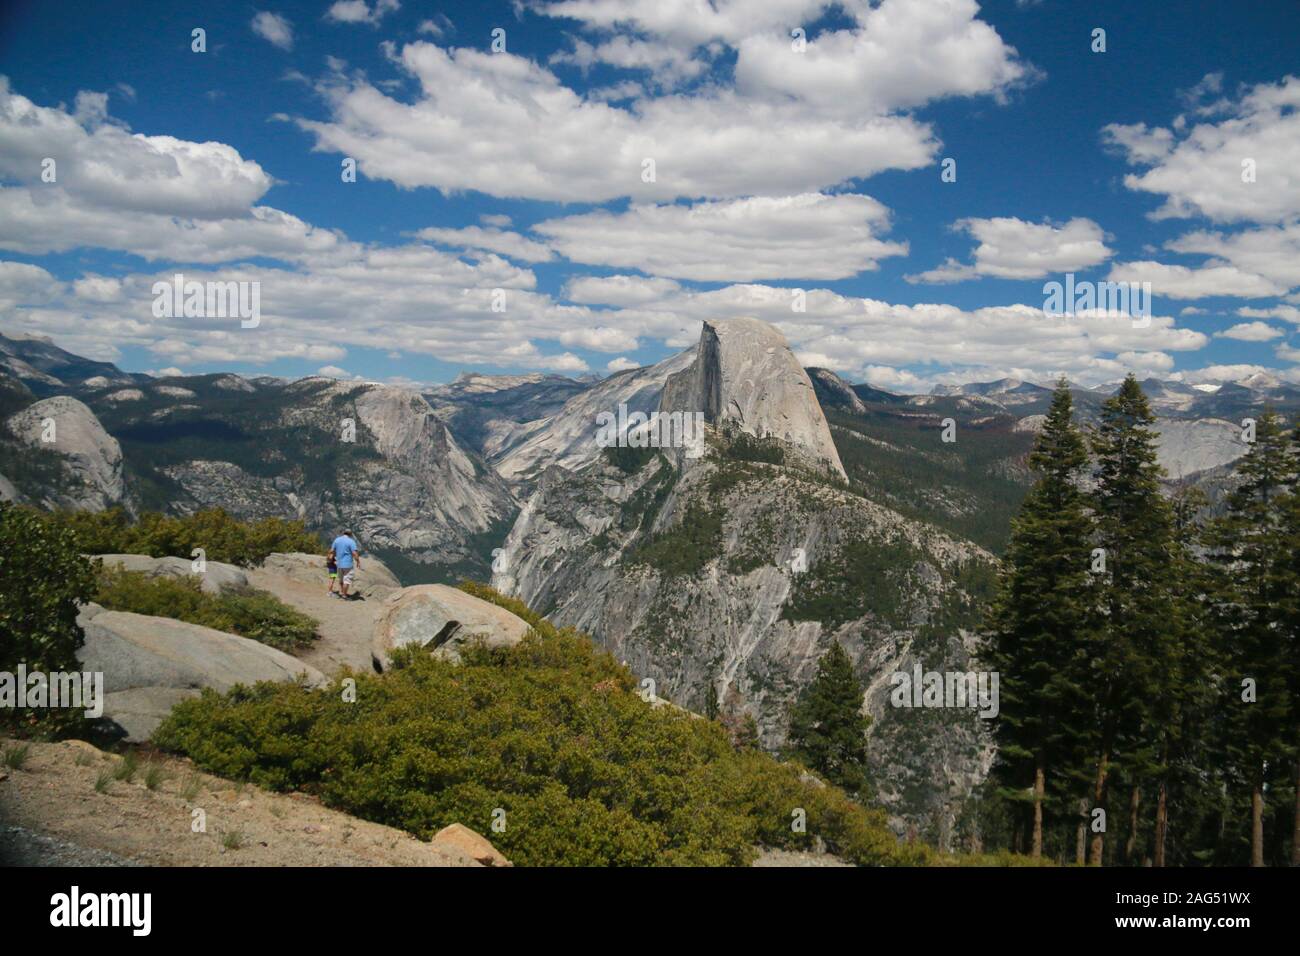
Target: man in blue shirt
{"type": "Point", "coordinates": [348, 557]}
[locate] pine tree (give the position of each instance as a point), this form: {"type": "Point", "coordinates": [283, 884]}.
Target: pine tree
{"type": "Point", "coordinates": [1138, 632]}
{"type": "Point", "coordinates": [1254, 582]}
{"type": "Point", "coordinates": [1183, 711]}
{"type": "Point", "coordinates": [827, 726]}
{"type": "Point", "coordinates": [1291, 634]}
{"type": "Point", "coordinates": [1039, 619]}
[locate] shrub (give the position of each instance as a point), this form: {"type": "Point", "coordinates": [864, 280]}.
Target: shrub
{"type": "Point", "coordinates": [221, 536]}
{"type": "Point", "coordinates": [247, 612]}
{"type": "Point", "coordinates": [551, 731]}
{"type": "Point", "coordinates": [43, 577]}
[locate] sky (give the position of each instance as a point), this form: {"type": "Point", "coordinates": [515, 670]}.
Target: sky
{"type": "Point", "coordinates": [570, 187]}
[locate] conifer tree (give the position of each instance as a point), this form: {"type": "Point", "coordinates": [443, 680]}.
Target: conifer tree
{"type": "Point", "coordinates": [1038, 623]}
{"type": "Point", "coordinates": [1138, 632]}
{"type": "Point", "coordinates": [1253, 585]}
{"type": "Point", "coordinates": [1183, 711]}
{"type": "Point", "coordinates": [827, 726]}
{"type": "Point", "coordinates": [1291, 634]}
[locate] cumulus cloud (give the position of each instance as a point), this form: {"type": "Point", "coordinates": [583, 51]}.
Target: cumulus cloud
{"type": "Point", "coordinates": [783, 123]}
{"type": "Point", "coordinates": [1183, 282]}
{"type": "Point", "coordinates": [621, 364]}
{"type": "Point", "coordinates": [103, 165]}
{"type": "Point", "coordinates": [1200, 167]}
{"type": "Point", "coordinates": [1010, 248]}
{"type": "Point", "coordinates": [1272, 252]}
{"type": "Point", "coordinates": [810, 236]}
{"type": "Point", "coordinates": [358, 11]}
{"type": "Point", "coordinates": [273, 28]}
{"type": "Point", "coordinates": [1250, 332]}
{"type": "Point", "coordinates": [618, 290]}
{"type": "Point", "coordinates": [510, 244]}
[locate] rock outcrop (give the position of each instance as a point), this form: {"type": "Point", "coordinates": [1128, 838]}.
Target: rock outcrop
{"type": "Point", "coordinates": [151, 663]}
{"type": "Point", "coordinates": [374, 580]}
{"type": "Point", "coordinates": [92, 458]}
{"type": "Point", "coordinates": [745, 377]}
{"type": "Point", "coordinates": [215, 575]}
{"type": "Point", "coordinates": [444, 620]}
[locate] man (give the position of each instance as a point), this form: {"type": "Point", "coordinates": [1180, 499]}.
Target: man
{"type": "Point", "coordinates": [347, 555]}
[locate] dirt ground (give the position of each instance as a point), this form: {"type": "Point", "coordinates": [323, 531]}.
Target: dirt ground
{"type": "Point", "coordinates": [51, 814]}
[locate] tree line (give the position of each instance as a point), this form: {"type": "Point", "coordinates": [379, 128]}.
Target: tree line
{"type": "Point", "coordinates": [1148, 651]}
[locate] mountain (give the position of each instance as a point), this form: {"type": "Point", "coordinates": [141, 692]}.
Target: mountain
{"type": "Point", "coordinates": [45, 368]}
{"type": "Point", "coordinates": [334, 454]}
{"type": "Point", "coordinates": [725, 576]}
{"type": "Point", "coordinates": [487, 412]}
{"type": "Point", "coordinates": [808, 510]}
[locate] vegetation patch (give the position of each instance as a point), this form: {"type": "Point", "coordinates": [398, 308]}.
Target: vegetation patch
{"type": "Point", "coordinates": [221, 536]}
{"type": "Point", "coordinates": [247, 612]}
{"type": "Point", "coordinates": [553, 733]}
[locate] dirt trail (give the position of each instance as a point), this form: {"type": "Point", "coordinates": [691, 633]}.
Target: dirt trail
{"type": "Point", "coordinates": [52, 814]}
{"type": "Point", "coordinates": [345, 626]}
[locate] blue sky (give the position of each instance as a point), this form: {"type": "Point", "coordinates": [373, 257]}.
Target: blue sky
{"type": "Point", "coordinates": [775, 169]}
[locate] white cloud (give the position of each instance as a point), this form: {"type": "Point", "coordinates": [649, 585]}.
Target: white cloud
{"type": "Point", "coordinates": [1288, 313]}
{"type": "Point", "coordinates": [510, 244]}
{"type": "Point", "coordinates": [1182, 282]}
{"type": "Point", "coordinates": [358, 11]}
{"type": "Point", "coordinates": [1272, 252]}
{"type": "Point", "coordinates": [1250, 332]}
{"type": "Point", "coordinates": [104, 165]}
{"type": "Point", "coordinates": [1010, 248]}
{"type": "Point", "coordinates": [1199, 168]}
{"type": "Point", "coordinates": [273, 28]}
{"type": "Point", "coordinates": [810, 236]}
{"type": "Point", "coordinates": [333, 371]}
{"type": "Point", "coordinates": [621, 364]}
{"type": "Point", "coordinates": [618, 290]}
{"type": "Point", "coordinates": [784, 123]}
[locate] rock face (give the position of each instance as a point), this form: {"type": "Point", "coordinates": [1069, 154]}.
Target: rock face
{"type": "Point", "coordinates": [214, 576]}
{"type": "Point", "coordinates": [332, 454]}
{"type": "Point", "coordinates": [374, 580]}
{"type": "Point", "coordinates": [443, 619]}
{"type": "Point", "coordinates": [1188, 447]}
{"type": "Point", "coordinates": [92, 457]}
{"type": "Point", "coordinates": [151, 663]}
{"type": "Point", "coordinates": [569, 437]}
{"type": "Point", "coordinates": [724, 576]}
{"type": "Point", "coordinates": [463, 839]}
{"type": "Point", "coordinates": [833, 392]}
{"type": "Point", "coordinates": [744, 376]}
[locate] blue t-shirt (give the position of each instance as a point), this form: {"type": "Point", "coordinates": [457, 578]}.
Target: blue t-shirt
{"type": "Point", "coordinates": [344, 548]}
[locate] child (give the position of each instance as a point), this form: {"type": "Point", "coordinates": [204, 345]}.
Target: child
{"type": "Point", "coordinates": [332, 567]}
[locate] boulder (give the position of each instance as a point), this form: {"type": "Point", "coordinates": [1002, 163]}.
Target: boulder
{"type": "Point", "coordinates": [214, 576]}
{"type": "Point", "coordinates": [151, 663]}
{"type": "Point", "coordinates": [463, 839]}
{"type": "Point", "coordinates": [373, 580]}
{"type": "Point", "coordinates": [443, 619]}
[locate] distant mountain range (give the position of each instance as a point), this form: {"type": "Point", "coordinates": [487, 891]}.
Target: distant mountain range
{"type": "Point", "coordinates": [815, 509]}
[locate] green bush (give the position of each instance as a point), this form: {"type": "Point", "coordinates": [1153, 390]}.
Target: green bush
{"type": "Point", "coordinates": [222, 537]}
{"type": "Point", "coordinates": [245, 611]}
{"type": "Point", "coordinates": [43, 577]}
{"type": "Point", "coordinates": [553, 733]}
